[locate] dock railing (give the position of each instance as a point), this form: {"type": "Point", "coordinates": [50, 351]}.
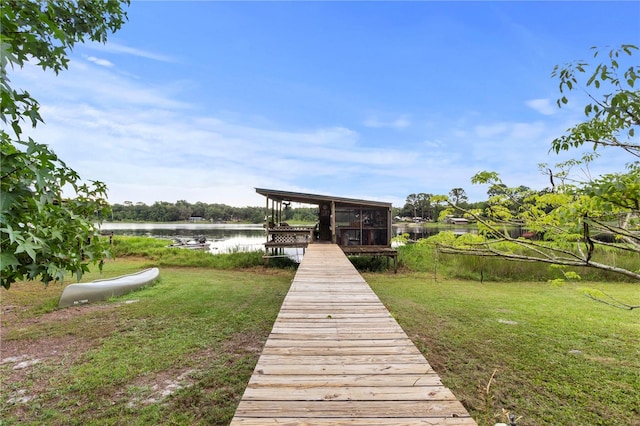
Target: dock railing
{"type": "Point", "coordinates": [281, 237]}
{"type": "Point", "coordinates": [289, 236]}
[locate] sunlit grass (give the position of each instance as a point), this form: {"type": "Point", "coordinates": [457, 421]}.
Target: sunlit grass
{"type": "Point", "coordinates": [205, 325]}
{"type": "Point", "coordinates": [560, 358]}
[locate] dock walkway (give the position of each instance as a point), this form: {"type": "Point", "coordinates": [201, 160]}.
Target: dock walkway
{"type": "Point", "coordinates": [336, 356]}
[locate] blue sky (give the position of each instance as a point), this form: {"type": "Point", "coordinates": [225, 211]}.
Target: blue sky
{"type": "Point", "coordinates": [203, 101]}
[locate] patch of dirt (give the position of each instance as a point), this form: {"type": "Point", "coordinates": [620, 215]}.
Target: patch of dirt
{"type": "Point", "coordinates": [26, 360]}
{"type": "Point", "coordinates": [243, 343]}
{"type": "Point", "coordinates": [154, 388]}
{"type": "Point", "coordinates": [11, 318]}
{"type": "Point", "coordinates": [27, 365]}
{"type": "Point", "coordinates": [43, 347]}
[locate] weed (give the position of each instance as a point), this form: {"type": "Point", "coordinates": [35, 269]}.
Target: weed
{"type": "Point", "coordinates": [369, 263]}
{"type": "Point", "coordinates": [485, 417]}
{"type": "Point", "coordinates": [424, 257]}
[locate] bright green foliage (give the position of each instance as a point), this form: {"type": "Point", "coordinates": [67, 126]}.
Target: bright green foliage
{"type": "Point", "coordinates": [575, 218]}
{"type": "Point", "coordinates": [43, 234]}
{"type": "Point", "coordinates": [614, 113]}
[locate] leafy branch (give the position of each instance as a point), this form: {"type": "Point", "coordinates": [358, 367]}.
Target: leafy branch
{"type": "Point", "coordinates": [42, 233]}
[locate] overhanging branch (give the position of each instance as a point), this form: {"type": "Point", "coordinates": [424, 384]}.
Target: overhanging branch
{"type": "Point", "coordinates": [539, 252]}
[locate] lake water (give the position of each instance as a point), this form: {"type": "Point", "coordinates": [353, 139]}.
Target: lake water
{"type": "Point", "coordinates": [417, 232]}
{"type": "Point", "coordinates": [226, 238]}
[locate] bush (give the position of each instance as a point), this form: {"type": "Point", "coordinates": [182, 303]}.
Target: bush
{"type": "Point", "coordinates": [159, 254]}
{"type": "Point", "coordinates": [424, 257]}
{"type": "Point", "coordinates": [369, 263]}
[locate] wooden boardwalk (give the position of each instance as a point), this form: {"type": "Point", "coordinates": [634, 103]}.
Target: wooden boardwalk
{"type": "Point", "coordinates": [336, 356]}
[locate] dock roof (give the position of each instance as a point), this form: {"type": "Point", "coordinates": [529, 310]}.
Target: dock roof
{"type": "Point", "coordinates": [298, 197]}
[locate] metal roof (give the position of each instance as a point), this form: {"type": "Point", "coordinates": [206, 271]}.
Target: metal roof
{"type": "Point", "coordinates": [298, 197]}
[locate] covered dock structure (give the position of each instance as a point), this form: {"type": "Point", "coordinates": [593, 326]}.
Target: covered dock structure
{"type": "Point", "coordinates": [358, 227]}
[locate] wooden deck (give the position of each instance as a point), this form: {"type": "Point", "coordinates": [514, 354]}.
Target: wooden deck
{"type": "Point", "coordinates": [336, 356]}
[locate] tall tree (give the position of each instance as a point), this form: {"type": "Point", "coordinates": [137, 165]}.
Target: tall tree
{"type": "Point", "coordinates": [42, 232]}
{"type": "Point", "coordinates": [424, 202]}
{"type": "Point", "coordinates": [578, 218]}
{"type": "Point", "coordinates": [412, 201]}
{"type": "Point", "coordinates": [458, 195]}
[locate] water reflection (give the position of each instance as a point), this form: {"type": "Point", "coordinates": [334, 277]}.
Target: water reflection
{"type": "Point", "coordinates": [227, 238]}
{"type": "Point", "coordinates": [223, 238]}
{"type": "Point", "coordinates": [417, 232]}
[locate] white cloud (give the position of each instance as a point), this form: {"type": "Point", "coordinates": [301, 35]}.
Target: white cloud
{"type": "Point", "coordinates": [98, 61]}
{"type": "Point", "coordinates": [398, 123]}
{"type": "Point", "coordinates": [148, 145]}
{"type": "Point", "coordinates": [432, 143]}
{"type": "Point", "coordinates": [113, 47]}
{"type": "Point", "coordinates": [491, 130]}
{"type": "Point", "coordinates": [543, 106]}
{"type": "Point", "coordinates": [526, 131]}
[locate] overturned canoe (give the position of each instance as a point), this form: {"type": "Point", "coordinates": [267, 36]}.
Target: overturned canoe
{"type": "Point", "coordinates": [78, 294]}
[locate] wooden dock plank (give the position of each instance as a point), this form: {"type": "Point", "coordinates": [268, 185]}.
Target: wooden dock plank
{"type": "Point", "coordinates": [335, 356]}
{"type": "Point", "coordinates": [357, 409]}
{"type": "Point", "coordinates": [287, 421]}
{"type": "Point", "coordinates": [330, 370]}
{"type": "Point", "coordinates": [276, 342]}
{"type": "Point", "coordinates": [375, 380]}
{"type": "Point", "coordinates": [301, 391]}
{"type": "Point", "coordinates": [340, 351]}
{"type": "Point", "coordinates": [333, 335]}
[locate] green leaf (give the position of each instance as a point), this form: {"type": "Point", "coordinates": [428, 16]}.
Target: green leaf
{"type": "Point", "coordinates": [8, 260]}
{"type": "Point", "coordinates": [29, 248]}
{"type": "Point", "coordinates": [588, 109]}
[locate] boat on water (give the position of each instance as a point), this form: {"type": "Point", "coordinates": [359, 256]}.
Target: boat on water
{"type": "Point", "coordinates": [199, 243]}
{"type": "Point", "coordinates": [79, 294]}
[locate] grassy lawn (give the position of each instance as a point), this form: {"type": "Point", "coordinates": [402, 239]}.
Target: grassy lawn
{"type": "Point", "coordinates": [559, 358]}
{"type": "Point", "coordinates": [182, 350]}
{"type": "Point", "coordinates": [181, 354]}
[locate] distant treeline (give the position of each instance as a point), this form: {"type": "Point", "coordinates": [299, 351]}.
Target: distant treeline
{"type": "Point", "coordinates": [180, 211]}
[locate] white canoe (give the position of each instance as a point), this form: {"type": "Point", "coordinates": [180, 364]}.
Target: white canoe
{"type": "Point", "coordinates": [78, 294]}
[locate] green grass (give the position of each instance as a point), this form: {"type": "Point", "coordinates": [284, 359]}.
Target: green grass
{"type": "Point", "coordinates": [206, 326]}
{"type": "Point", "coordinates": [157, 253]}
{"type": "Point", "coordinates": [560, 358]}
{"type": "Point", "coordinates": [423, 257]}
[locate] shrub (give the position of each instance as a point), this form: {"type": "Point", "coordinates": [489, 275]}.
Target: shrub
{"type": "Point", "coordinates": [424, 256]}
{"type": "Point", "coordinates": [159, 254]}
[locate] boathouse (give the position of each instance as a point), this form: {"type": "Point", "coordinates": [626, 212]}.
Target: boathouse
{"type": "Point", "coordinates": [359, 227]}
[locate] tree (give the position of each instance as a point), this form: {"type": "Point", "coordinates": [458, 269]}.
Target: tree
{"type": "Point", "coordinates": [424, 203]}
{"type": "Point", "coordinates": [412, 201]}
{"type": "Point", "coordinates": [579, 218]}
{"type": "Point", "coordinates": [458, 195]}
{"type": "Point", "coordinates": [42, 233]}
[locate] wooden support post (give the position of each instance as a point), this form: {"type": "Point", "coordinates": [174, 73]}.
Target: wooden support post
{"type": "Point", "coordinates": [334, 237]}
{"type": "Point", "coordinates": [389, 226]}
